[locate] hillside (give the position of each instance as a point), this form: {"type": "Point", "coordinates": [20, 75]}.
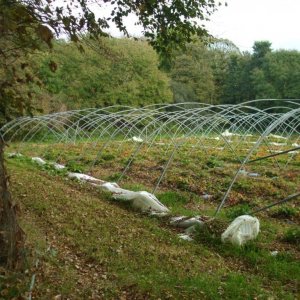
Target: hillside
{"type": "Point", "coordinates": [86, 247]}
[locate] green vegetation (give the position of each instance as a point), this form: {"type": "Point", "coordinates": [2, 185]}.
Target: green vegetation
{"type": "Point", "coordinates": [29, 26]}
{"type": "Point", "coordinates": [115, 71]}
{"type": "Point", "coordinates": [123, 71]}
{"type": "Point", "coordinates": [126, 72]}
{"type": "Point", "coordinates": [184, 175]}
{"type": "Point", "coordinates": [292, 236]}
{"type": "Point", "coordinates": [101, 248]}
{"type": "Point", "coordinates": [79, 245]}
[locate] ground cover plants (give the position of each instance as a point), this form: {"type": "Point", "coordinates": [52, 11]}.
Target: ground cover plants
{"type": "Point", "coordinates": [193, 158]}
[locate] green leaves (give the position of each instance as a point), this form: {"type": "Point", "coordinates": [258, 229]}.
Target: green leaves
{"type": "Point", "coordinates": [192, 75]}
{"type": "Point", "coordinates": [110, 71]}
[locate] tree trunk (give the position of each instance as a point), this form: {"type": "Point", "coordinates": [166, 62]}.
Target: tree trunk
{"type": "Point", "coordinates": [12, 236]}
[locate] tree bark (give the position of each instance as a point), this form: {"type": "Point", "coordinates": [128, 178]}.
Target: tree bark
{"type": "Point", "coordinates": [12, 236]}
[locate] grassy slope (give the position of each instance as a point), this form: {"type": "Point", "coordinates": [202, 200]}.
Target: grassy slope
{"type": "Point", "coordinates": [89, 247]}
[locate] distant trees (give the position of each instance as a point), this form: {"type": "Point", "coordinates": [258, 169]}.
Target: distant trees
{"type": "Point", "coordinates": [192, 76]}
{"type": "Point", "coordinates": [121, 71]}
{"type": "Point", "coordinates": [265, 74]}
{"type": "Point", "coordinates": [126, 71]}
{"type": "Point", "coordinates": [220, 73]}
{"type": "Point", "coordinates": [282, 71]}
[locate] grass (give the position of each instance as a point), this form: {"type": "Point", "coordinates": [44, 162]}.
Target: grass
{"type": "Point", "coordinates": [88, 246]}
{"type": "Point", "coordinates": [292, 235]}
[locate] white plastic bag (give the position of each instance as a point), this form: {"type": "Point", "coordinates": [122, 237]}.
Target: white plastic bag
{"type": "Point", "coordinates": [118, 193]}
{"type": "Point", "coordinates": [242, 229]}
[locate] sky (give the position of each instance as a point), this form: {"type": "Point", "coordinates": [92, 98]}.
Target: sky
{"type": "Point", "coordinates": [246, 21]}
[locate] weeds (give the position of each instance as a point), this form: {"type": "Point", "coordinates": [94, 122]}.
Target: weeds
{"type": "Point", "coordinates": [285, 212]}
{"type": "Point", "coordinates": [292, 236]}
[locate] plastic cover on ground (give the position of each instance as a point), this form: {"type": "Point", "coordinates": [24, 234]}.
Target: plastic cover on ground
{"type": "Point", "coordinates": [185, 222]}
{"type": "Point", "coordinates": [185, 237]}
{"type": "Point", "coordinates": [143, 201]}
{"type": "Point", "coordinates": [38, 160]}
{"type": "Point", "coordinates": [110, 187]}
{"type": "Point", "coordinates": [84, 177]}
{"type": "Point", "coordinates": [14, 154]}
{"type": "Point", "coordinates": [118, 193]}
{"type": "Point", "coordinates": [137, 139]}
{"type": "Point", "coordinates": [276, 136]}
{"type": "Point", "coordinates": [242, 229]}
{"type": "Point", "coordinates": [57, 166]}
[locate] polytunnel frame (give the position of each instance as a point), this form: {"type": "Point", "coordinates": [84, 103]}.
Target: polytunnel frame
{"type": "Point", "coordinates": [176, 146]}
{"type": "Point", "coordinates": [267, 132]}
{"type": "Point", "coordinates": [159, 112]}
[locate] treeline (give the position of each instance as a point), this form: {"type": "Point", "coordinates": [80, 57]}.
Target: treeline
{"type": "Point", "coordinates": [108, 72]}
{"type": "Point", "coordinates": [220, 73]}
{"type": "Point", "coordinates": [129, 72]}
{"type": "Point", "coordinates": [262, 75]}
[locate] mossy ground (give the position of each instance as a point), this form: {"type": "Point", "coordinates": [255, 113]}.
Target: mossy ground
{"type": "Point", "coordinates": [89, 247]}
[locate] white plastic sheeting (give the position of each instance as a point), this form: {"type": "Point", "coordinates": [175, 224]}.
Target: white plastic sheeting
{"type": "Point", "coordinates": [142, 201]}
{"type": "Point", "coordinates": [186, 222]}
{"type": "Point", "coordinates": [243, 172]}
{"type": "Point", "coordinates": [242, 229]}
{"type": "Point", "coordinates": [189, 224]}
{"type": "Point", "coordinates": [217, 138]}
{"type": "Point", "coordinates": [251, 174]}
{"type": "Point", "coordinates": [14, 154]}
{"type": "Point", "coordinates": [185, 237]}
{"type": "Point", "coordinates": [276, 136]}
{"type": "Point", "coordinates": [38, 160]}
{"type": "Point", "coordinates": [84, 177]}
{"type": "Point", "coordinates": [110, 187]}
{"type": "Point", "coordinates": [227, 133]}
{"type": "Point", "coordinates": [57, 166]}
{"type": "Point", "coordinates": [274, 253]}
{"type": "Point", "coordinates": [137, 139]}
{"type": "Point", "coordinates": [42, 162]}
{"type": "Point", "coordinates": [206, 196]}
{"type": "Point", "coordinates": [158, 214]}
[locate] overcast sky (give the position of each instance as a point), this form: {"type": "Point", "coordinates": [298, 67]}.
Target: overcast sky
{"type": "Point", "coordinates": [246, 21]}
